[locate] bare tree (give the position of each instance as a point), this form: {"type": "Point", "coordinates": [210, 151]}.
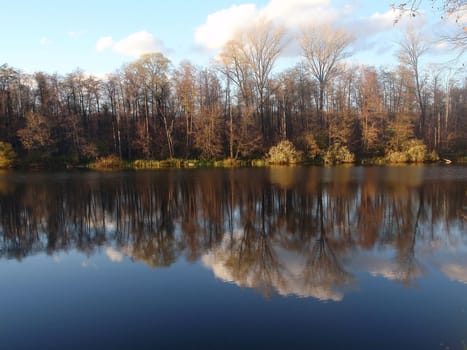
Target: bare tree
{"type": "Point", "coordinates": [251, 56]}
{"type": "Point", "coordinates": [261, 46]}
{"type": "Point", "coordinates": [448, 9]}
{"type": "Point", "coordinates": [323, 48]}
{"type": "Point", "coordinates": [185, 87]}
{"type": "Point", "coordinates": [412, 48]}
{"type": "Point", "coordinates": [238, 71]}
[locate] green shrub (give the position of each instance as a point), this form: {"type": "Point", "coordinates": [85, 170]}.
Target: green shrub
{"type": "Point", "coordinates": [396, 157]}
{"type": "Point", "coordinates": [7, 155]}
{"type": "Point", "coordinates": [141, 164]}
{"type": "Point", "coordinates": [432, 157]}
{"type": "Point", "coordinates": [338, 154]}
{"type": "Point", "coordinates": [416, 151]}
{"type": "Point", "coordinates": [412, 151]}
{"type": "Point", "coordinates": [313, 149]}
{"type": "Point", "coordinates": [283, 153]}
{"type": "Point", "coordinates": [258, 163]}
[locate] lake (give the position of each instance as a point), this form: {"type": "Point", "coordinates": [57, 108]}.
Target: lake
{"type": "Point", "coordinates": [268, 258]}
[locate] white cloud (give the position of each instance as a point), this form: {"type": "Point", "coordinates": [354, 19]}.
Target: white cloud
{"type": "Point", "coordinates": [44, 41]}
{"type": "Point", "coordinates": [297, 13]}
{"type": "Point", "coordinates": [221, 26]}
{"type": "Point", "coordinates": [137, 44]}
{"type": "Point", "coordinates": [104, 43]}
{"type": "Point", "coordinates": [371, 32]}
{"type": "Point", "coordinates": [133, 45]}
{"type": "Point", "coordinates": [75, 35]}
{"type": "Point", "coordinates": [459, 17]}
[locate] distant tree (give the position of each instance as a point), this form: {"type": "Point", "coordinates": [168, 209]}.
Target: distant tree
{"type": "Point", "coordinates": [208, 124]}
{"type": "Point", "coordinates": [7, 155]}
{"type": "Point", "coordinates": [185, 88]}
{"type": "Point", "coordinates": [370, 109]}
{"type": "Point", "coordinates": [36, 136]}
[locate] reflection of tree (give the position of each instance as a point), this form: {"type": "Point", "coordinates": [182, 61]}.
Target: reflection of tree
{"type": "Point", "coordinates": [252, 259]}
{"type": "Point", "coordinates": [406, 239]}
{"type": "Point", "coordinates": [157, 217]}
{"type": "Point", "coordinates": [323, 269]}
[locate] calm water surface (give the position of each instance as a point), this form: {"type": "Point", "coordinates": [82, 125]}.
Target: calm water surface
{"type": "Point", "coordinates": [286, 258]}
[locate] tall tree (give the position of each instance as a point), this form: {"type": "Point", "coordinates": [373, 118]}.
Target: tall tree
{"type": "Point", "coordinates": [323, 48]}
{"type": "Point", "coordinates": [261, 45]}
{"type": "Point", "coordinates": [412, 48]}
{"type": "Point", "coordinates": [185, 88]}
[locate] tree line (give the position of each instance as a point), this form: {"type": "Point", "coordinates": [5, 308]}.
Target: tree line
{"type": "Point", "coordinates": [240, 105]}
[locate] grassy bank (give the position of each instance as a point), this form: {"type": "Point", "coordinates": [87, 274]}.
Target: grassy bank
{"type": "Point", "coordinates": [143, 164]}
{"type": "Point", "coordinates": [114, 163]}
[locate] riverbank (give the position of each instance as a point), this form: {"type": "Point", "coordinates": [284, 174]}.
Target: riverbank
{"type": "Point", "coordinates": [115, 163]}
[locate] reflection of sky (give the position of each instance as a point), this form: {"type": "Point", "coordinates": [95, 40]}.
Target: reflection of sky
{"type": "Point", "coordinates": [287, 279]}
{"type": "Point", "coordinates": [456, 272]}
{"type": "Point", "coordinates": [448, 256]}
{"type": "Point", "coordinates": [113, 254]}
{"type": "Point", "coordinates": [289, 282]}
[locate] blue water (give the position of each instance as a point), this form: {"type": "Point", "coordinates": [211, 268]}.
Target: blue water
{"type": "Point", "coordinates": [302, 258]}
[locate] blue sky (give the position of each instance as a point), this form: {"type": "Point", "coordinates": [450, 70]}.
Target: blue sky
{"type": "Point", "coordinates": [100, 36]}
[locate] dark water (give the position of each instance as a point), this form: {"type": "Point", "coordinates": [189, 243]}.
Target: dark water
{"type": "Point", "coordinates": [286, 258]}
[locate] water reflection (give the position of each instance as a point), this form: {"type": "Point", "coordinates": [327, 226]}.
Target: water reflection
{"type": "Point", "coordinates": [300, 231]}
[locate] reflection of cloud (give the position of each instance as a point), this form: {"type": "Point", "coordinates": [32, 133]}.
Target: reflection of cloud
{"type": "Point", "coordinates": [286, 277]}
{"type": "Point", "coordinates": [113, 255]}
{"type": "Point", "coordinates": [133, 45]}
{"type": "Point", "coordinates": [378, 264]}
{"type": "Point", "coordinates": [455, 272]}
{"type": "Point", "coordinates": [87, 263]}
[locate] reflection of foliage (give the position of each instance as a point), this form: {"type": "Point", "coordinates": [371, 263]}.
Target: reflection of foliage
{"type": "Point", "coordinates": [157, 217]}
{"type": "Point", "coordinates": [253, 262]}
{"type": "Point", "coordinates": [158, 251]}
{"type": "Point", "coordinates": [323, 267]}
{"type": "Point", "coordinates": [408, 265]}
{"type": "Point", "coordinates": [406, 239]}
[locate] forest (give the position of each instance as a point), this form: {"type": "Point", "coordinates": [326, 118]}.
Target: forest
{"type": "Point", "coordinates": [240, 106]}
